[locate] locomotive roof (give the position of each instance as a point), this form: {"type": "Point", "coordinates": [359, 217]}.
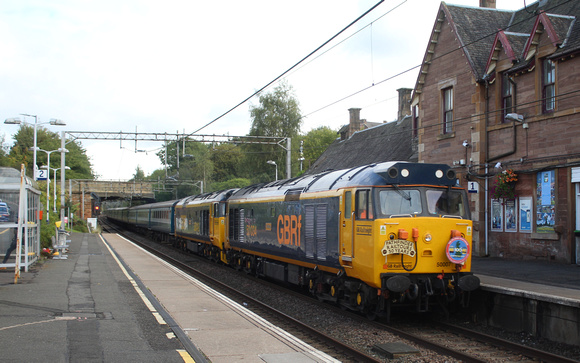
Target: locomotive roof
{"type": "Point", "coordinates": [217, 196]}
{"type": "Point", "coordinates": [387, 173]}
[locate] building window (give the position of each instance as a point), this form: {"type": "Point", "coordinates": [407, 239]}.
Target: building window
{"type": "Point", "coordinates": [415, 120]}
{"type": "Point", "coordinates": [507, 94]}
{"type": "Point", "coordinates": [447, 110]}
{"type": "Point", "coordinates": [549, 86]}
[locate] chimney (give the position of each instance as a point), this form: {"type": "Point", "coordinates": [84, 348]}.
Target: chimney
{"type": "Point", "coordinates": [404, 105]}
{"type": "Point", "coordinates": [487, 4]}
{"type": "Point", "coordinates": [354, 123]}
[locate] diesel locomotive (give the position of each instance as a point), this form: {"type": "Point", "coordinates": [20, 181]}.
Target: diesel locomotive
{"type": "Point", "coordinates": [366, 238]}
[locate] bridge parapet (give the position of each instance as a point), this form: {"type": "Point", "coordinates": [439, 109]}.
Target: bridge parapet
{"type": "Point", "coordinates": [82, 191]}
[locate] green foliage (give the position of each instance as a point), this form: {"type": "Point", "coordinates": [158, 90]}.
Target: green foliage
{"type": "Point", "coordinates": [227, 160]}
{"type": "Point", "coordinates": [187, 171]}
{"type": "Point", "coordinates": [316, 141]}
{"type": "Point", "coordinates": [76, 158]}
{"type": "Point", "coordinates": [277, 115]}
{"type": "Point", "coordinates": [231, 184]}
{"type": "Point", "coordinates": [139, 174]}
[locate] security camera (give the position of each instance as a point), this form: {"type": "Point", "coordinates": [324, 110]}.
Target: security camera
{"type": "Point", "coordinates": [465, 143]}
{"type": "Point", "coordinates": [514, 117]}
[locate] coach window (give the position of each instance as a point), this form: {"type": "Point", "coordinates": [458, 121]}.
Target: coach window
{"type": "Point", "coordinates": [215, 210]}
{"type": "Point", "coordinates": [363, 207]}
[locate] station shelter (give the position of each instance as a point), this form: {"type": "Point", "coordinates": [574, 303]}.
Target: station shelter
{"type": "Point", "coordinates": [19, 209]}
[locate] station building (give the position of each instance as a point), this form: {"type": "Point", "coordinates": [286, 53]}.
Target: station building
{"type": "Point", "coordinates": [498, 97]}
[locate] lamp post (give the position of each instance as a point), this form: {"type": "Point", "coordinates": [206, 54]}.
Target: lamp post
{"type": "Point", "coordinates": [272, 162]}
{"type": "Point", "coordinates": [55, 169]}
{"type": "Point", "coordinates": [18, 121]}
{"type": "Point", "coordinates": [47, 167]}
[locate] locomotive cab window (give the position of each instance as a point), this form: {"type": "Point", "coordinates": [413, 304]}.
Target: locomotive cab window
{"type": "Point", "coordinates": [347, 205]}
{"type": "Point", "coordinates": [363, 205]}
{"type": "Point", "coordinates": [399, 201]}
{"type": "Point", "coordinates": [447, 202]}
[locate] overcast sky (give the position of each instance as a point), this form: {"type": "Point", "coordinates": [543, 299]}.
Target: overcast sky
{"type": "Point", "coordinates": [175, 65]}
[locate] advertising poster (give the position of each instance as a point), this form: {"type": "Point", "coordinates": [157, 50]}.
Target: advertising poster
{"type": "Point", "coordinates": [526, 214]}
{"type": "Point", "coordinates": [545, 202]}
{"type": "Point", "coordinates": [496, 215]}
{"type": "Point", "coordinates": [511, 216]}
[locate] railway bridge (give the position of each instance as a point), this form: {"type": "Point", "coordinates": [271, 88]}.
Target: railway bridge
{"type": "Point", "coordinates": [87, 194]}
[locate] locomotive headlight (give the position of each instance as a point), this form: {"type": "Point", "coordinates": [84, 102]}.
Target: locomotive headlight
{"type": "Point", "coordinates": [427, 237]}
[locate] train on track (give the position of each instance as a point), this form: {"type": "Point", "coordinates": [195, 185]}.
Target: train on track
{"type": "Point", "coordinates": [367, 238]}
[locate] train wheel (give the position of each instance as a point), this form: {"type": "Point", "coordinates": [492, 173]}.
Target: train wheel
{"type": "Point", "coordinates": [360, 299]}
{"type": "Point", "coordinates": [249, 265]}
{"type": "Point", "coordinates": [371, 315]}
{"type": "Point", "coordinates": [312, 286]}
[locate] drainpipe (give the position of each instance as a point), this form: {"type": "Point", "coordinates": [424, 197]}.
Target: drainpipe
{"type": "Point", "coordinates": [486, 198]}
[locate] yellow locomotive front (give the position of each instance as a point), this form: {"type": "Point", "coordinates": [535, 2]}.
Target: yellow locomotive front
{"type": "Point", "coordinates": [410, 242]}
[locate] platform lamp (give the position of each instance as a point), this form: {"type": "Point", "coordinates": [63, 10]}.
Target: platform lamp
{"type": "Point", "coordinates": [18, 121]}
{"type": "Point", "coordinates": [47, 167]}
{"type": "Point", "coordinates": [55, 170]}
{"type": "Point", "coordinates": [272, 162]}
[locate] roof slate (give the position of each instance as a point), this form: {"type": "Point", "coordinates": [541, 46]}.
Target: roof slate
{"type": "Point", "coordinates": [476, 28]}
{"type": "Point", "coordinates": [386, 142]}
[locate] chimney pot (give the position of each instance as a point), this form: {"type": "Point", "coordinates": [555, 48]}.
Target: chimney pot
{"type": "Point", "coordinates": [487, 4]}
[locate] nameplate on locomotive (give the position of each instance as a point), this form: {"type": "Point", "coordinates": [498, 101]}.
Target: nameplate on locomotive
{"type": "Point", "coordinates": [398, 246]}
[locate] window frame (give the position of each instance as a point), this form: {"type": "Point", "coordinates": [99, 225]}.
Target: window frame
{"type": "Point", "coordinates": [548, 84]}
{"type": "Point", "coordinates": [507, 96]}
{"type": "Point", "coordinates": [363, 205]}
{"type": "Point", "coordinates": [415, 111]}
{"type": "Point", "coordinates": [447, 97]}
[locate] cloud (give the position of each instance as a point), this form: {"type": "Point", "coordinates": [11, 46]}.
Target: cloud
{"type": "Point", "coordinates": [177, 65]}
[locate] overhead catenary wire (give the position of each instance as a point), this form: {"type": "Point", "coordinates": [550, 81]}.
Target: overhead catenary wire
{"type": "Point", "coordinates": [433, 59]}
{"type": "Point", "coordinates": [289, 69]}
{"type": "Point", "coordinates": [294, 67]}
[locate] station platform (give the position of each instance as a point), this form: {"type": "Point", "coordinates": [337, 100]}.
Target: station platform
{"type": "Point", "coordinates": [541, 280]}
{"type": "Point", "coordinates": [110, 301]}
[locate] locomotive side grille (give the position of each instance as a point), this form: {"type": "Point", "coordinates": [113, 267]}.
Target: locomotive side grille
{"type": "Point", "coordinates": [309, 231]}
{"type": "Point", "coordinates": [241, 224]}
{"type": "Point", "coordinates": [321, 232]}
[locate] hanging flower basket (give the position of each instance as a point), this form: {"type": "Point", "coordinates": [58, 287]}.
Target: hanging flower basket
{"type": "Point", "coordinates": [505, 185]}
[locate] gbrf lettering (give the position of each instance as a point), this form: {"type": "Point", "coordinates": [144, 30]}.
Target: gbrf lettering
{"type": "Point", "coordinates": [288, 229]}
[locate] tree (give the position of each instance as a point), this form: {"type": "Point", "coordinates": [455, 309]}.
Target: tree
{"type": "Point", "coordinates": [76, 158]}
{"type": "Point", "coordinates": [316, 141]}
{"type": "Point", "coordinates": [139, 174]}
{"type": "Point", "coordinates": [4, 161]}
{"type": "Point", "coordinates": [227, 161]}
{"type": "Point", "coordinates": [194, 169]}
{"type": "Point", "coordinates": [277, 115]}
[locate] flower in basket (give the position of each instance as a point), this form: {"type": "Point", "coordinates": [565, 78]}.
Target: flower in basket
{"type": "Point", "coordinates": [505, 185]}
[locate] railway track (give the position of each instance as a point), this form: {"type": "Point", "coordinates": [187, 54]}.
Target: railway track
{"type": "Point", "coordinates": [302, 331]}
{"type": "Point", "coordinates": [447, 340]}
